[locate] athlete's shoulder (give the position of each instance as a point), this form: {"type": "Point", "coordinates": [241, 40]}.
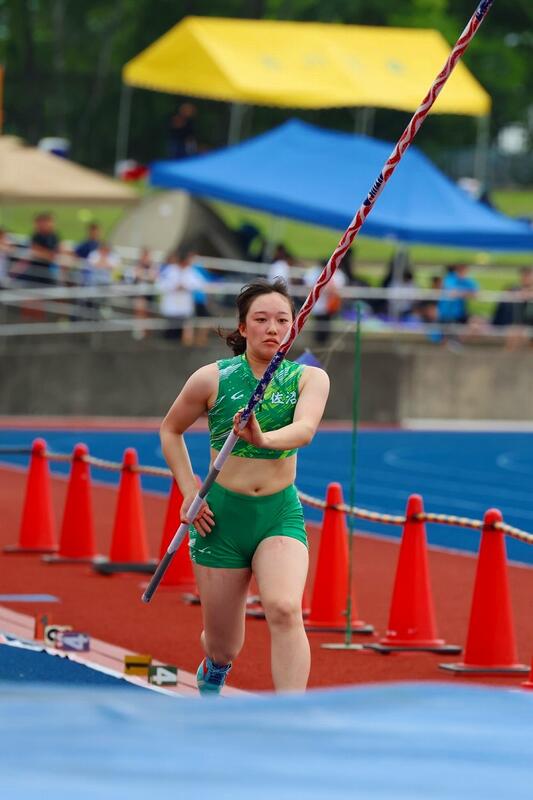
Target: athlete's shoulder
{"type": "Point", "coordinates": [315, 376]}
{"type": "Point", "coordinates": [205, 378]}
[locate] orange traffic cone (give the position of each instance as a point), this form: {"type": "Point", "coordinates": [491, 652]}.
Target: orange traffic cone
{"type": "Point", "coordinates": [180, 572]}
{"type": "Point", "coordinates": [77, 541]}
{"type": "Point", "coordinates": [490, 645]}
{"type": "Point", "coordinates": [129, 548]}
{"type": "Point", "coordinates": [37, 528]}
{"type": "Point", "coordinates": [412, 623]}
{"type": "Point", "coordinates": [328, 601]}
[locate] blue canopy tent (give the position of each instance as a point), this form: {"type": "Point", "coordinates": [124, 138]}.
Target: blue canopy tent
{"type": "Point", "coordinates": [322, 176]}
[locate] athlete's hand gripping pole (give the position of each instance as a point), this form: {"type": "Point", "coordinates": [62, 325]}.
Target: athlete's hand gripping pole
{"type": "Point", "coordinates": [327, 273]}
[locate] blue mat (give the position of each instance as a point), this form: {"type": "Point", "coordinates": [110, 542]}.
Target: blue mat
{"type": "Point", "coordinates": [386, 742]}
{"type": "Point", "coordinates": [459, 473]}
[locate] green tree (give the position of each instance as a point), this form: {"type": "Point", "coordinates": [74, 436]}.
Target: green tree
{"type": "Point", "coordinates": [63, 61]}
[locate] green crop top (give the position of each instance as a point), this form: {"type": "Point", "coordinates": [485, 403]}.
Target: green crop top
{"type": "Point", "coordinates": [236, 385]}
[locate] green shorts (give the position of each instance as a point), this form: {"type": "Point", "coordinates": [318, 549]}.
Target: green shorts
{"type": "Point", "coordinates": [241, 524]}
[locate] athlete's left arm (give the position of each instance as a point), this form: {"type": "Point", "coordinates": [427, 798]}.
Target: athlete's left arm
{"type": "Point", "coordinates": [313, 395]}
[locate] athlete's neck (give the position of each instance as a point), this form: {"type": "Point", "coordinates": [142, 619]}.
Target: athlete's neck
{"type": "Point", "coordinates": [257, 365]}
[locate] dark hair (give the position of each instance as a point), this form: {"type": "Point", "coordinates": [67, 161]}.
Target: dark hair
{"type": "Point", "coordinates": [235, 340]}
{"type": "Point", "coordinates": [182, 253]}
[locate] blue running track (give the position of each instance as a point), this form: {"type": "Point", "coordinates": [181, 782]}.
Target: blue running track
{"type": "Point", "coordinates": [460, 473]}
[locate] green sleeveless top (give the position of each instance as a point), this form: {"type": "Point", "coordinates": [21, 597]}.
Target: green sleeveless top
{"type": "Point", "coordinates": [235, 387]}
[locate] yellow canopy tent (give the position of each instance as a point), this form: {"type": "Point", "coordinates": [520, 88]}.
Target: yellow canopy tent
{"type": "Point", "coordinates": [304, 65]}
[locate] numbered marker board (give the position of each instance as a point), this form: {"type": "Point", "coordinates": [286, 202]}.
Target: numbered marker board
{"type": "Point", "coordinates": [163, 675]}
{"type": "Point", "coordinates": [137, 664]}
{"type": "Point", "coordinates": [51, 633]}
{"type": "Point", "coordinates": [73, 640]}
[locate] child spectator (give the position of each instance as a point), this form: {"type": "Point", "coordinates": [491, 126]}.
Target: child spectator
{"type": "Point", "coordinates": [177, 283]}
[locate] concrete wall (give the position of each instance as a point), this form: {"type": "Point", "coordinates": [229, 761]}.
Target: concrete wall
{"type": "Point", "coordinates": [116, 375]}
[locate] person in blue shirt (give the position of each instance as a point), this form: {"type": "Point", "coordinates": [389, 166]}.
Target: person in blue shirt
{"type": "Point", "coordinates": [457, 289]}
{"type": "Point", "coordinates": [92, 242]}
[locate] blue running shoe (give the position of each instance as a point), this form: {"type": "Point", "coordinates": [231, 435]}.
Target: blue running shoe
{"type": "Point", "coordinates": [211, 677]}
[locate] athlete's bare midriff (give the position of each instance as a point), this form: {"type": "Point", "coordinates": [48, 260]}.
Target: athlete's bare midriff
{"type": "Point", "coordinates": [256, 476]}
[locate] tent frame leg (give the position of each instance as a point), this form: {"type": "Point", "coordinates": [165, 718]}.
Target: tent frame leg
{"type": "Point", "coordinates": [123, 128]}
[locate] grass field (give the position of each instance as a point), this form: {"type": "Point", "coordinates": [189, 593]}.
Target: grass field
{"type": "Point", "coordinates": [311, 242]}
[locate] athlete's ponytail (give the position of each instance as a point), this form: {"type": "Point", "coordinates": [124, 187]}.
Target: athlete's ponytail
{"type": "Point", "coordinates": [235, 340]}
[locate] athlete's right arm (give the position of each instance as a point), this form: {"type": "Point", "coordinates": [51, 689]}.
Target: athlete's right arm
{"type": "Point", "coordinates": [190, 404]}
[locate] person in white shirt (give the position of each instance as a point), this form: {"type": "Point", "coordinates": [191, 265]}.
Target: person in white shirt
{"type": "Point", "coordinates": [103, 266]}
{"type": "Point", "coordinates": [329, 302]}
{"type": "Point", "coordinates": [281, 266]}
{"type": "Point", "coordinates": [176, 283]}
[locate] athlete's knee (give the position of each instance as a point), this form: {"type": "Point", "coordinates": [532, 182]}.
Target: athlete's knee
{"type": "Point", "coordinates": [283, 612]}
{"type": "Point", "coordinates": [219, 650]}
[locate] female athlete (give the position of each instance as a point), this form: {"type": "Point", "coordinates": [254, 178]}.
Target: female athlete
{"type": "Point", "coordinates": [252, 521]}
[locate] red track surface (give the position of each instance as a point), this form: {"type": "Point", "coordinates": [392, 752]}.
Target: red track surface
{"type": "Point", "coordinates": [110, 608]}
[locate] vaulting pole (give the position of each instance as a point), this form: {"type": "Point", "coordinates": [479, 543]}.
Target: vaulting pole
{"type": "Point", "coordinates": [327, 273]}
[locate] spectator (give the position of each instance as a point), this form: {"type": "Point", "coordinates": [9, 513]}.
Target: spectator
{"type": "Point", "coordinates": [399, 264]}
{"type": "Point", "coordinates": [177, 283]}
{"type": "Point", "coordinates": [458, 288]}
{"type": "Point", "coordinates": [103, 266]}
{"type": "Point", "coordinates": [424, 312]}
{"type": "Point", "coordinates": [144, 273]}
{"type": "Point", "coordinates": [91, 243]}
{"type": "Point", "coordinates": [401, 306]}
{"type": "Point", "coordinates": [329, 302]}
{"type": "Point", "coordinates": [44, 250]}
{"type": "Point", "coordinates": [182, 133]}
{"type": "Point", "coordinates": [251, 241]}
{"type": "Point", "coordinates": [281, 265]}
{"type": "Point", "coordinates": [518, 317]}
{"type": "Point", "coordinates": [6, 248]}
{"type": "Point", "coordinates": [347, 266]}
{"type": "Point", "coordinates": [435, 283]}
{"type": "Point", "coordinates": [201, 310]}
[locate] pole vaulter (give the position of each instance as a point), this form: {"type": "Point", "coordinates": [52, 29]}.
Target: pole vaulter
{"type": "Point", "coordinates": [329, 270]}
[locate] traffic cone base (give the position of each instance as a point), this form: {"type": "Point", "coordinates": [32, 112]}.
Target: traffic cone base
{"type": "Point", "coordinates": [357, 626]}
{"type": "Point", "coordinates": [471, 669]}
{"type": "Point", "coordinates": [529, 683]}
{"type": "Point", "coordinates": [192, 598]}
{"type": "Point", "coordinates": [58, 559]}
{"type": "Point", "coordinates": [105, 567]}
{"type": "Point", "coordinates": [437, 646]}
